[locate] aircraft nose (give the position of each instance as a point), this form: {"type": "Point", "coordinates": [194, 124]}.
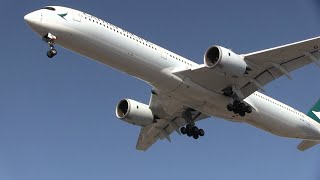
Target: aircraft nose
{"type": "Point", "coordinates": [31, 18]}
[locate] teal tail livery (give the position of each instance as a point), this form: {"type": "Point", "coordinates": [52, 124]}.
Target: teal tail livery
{"type": "Point", "coordinates": [313, 113]}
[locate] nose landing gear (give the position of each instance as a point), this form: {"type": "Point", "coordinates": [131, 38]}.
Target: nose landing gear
{"type": "Point", "coordinates": [52, 52]}
{"type": "Point", "coordinates": [49, 39]}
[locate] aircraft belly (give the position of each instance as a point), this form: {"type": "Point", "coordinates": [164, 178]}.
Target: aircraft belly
{"type": "Point", "coordinates": [210, 103]}
{"type": "Point", "coordinates": [275, 120]}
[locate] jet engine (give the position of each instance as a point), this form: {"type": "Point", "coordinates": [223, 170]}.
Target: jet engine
{"type": "Point", "coordinates": [225, 61]}
{"type": "Point", "coordinates": [134, 112]}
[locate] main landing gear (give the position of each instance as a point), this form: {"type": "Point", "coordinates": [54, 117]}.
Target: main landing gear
{"type": "Point", "coordinates": [239, 107]}
{"type": "Point", "coordinates": [192, 130]}
{"type": "Point", "coordinates": [49, 39]}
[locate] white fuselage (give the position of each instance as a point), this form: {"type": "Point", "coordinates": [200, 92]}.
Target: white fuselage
{"type": "Point", "coordinates": [119, 49]}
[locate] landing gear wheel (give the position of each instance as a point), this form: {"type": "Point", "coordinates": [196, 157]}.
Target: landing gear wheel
{"type": "Point", "coordinates": [189, 133]}
{"type": "Point", "coordinates": [249, 109]}
{"type": "Point", "coordinates": [195, 136]}
{"type": "Point", "coordinates": [192, 130]}
{"type": "Point", "coordinates": [236, 103]}
{"type": "Point", "coordinates": [51, 53]}
{"type": "Point", "coordinates": [201, 132]}
{"type": "Point", "coordinates": [195, 130]}
{"type": "Point", "coordinates": [243, 107]}
{"type": "Point", "coordinates": [239, 107]}
{"type": "Point", "coordinates": [54, 51]}
{"type": "Point", "coordinates": [189, 127]}
{"type": "Point", "coordinates": [183, 130]}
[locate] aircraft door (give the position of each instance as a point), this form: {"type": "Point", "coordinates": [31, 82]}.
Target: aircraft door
{"type": "Point", "coordinates": [77, 16]}
{"type": "Point", "coordinates": [163, 54]}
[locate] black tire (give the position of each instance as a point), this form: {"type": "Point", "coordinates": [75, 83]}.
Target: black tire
{"type": "Point", "coordinates": [201, 132]}
{"type": "Point", "coordinates": [249, 109]}
{"type": "Point", "coordinates": [183, 130]}
{"type": "Point", "coordinates": [236, 103]}
{"type": "Point", "coordinates": [194, 130]}
{"type": "Point", "coordinates": [53, 52]}
{"type": "Point", "coordinates": [243, 107]}
{"type": "Point", "coordinates": [230, 107]}
{"type": "Point", "coordinates": [189, 127]}
{"type": "Point", "coordinates": [195, 136]}
{"type": "Point", "coordinates": [242, 113]}
{"type": "Point", "coordinates": [236, 111]}
{"type": "Point", "coordinates": [189, 132]}
{"type": "Point", "coordinates": [49, 54]}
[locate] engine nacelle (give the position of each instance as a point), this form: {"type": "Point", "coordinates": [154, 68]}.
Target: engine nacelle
{"type": "Point", "coordinates": [134, 112]}
{"type": "Point", "coordinates": [225, 61]}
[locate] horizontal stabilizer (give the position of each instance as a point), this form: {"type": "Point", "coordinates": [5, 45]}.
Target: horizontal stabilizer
{"type": "Point", "coordinates": [306, 144]}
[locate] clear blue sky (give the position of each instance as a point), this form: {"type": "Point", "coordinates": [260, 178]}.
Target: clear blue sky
{"type": "Point", "coordinates": [57, 117]}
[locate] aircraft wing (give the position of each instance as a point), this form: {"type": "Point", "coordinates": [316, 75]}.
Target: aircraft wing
{"type": "Point", "coordinates": [169, 119]}
{"type": "Point", "coordinates": [266, 66]}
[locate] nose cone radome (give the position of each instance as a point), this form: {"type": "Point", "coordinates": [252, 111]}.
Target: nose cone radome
{"type": "Point", "coordinates": [34, 21]}
{"type": "Point", "coordinates": [31, 19]}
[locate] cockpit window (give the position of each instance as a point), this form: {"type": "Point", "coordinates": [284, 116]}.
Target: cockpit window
{"type": "Point", "coordinates": [49, 8]}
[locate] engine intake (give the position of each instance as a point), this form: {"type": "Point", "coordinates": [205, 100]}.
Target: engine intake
{"type": "Point", "coordinates": [134, 112]}
{"type": "Point", "coordinates": [225, 61]}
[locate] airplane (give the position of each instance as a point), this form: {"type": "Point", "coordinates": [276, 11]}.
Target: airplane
{"type": "Point", "coordinates": [227, 85]}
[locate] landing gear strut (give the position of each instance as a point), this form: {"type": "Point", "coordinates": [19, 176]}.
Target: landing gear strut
{"type": "Point", "coordinates": [49, 39]}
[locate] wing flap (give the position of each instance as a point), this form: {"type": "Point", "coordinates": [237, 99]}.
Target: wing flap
{"type": "Point", "coordinates": [272, 73]}
{"type": "Point", "coordinates": [147, 137]}
{"type": "Point", "coordinates": [161, 130]}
